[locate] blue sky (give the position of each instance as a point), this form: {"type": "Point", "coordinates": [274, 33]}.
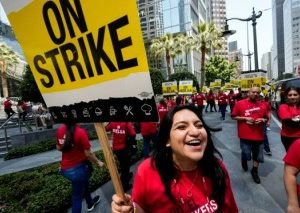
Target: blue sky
{"type": "Point", "coordinates": [243, 9]}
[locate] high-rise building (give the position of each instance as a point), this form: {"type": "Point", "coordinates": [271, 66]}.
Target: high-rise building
{"type": "Point", "coordinates": [218, 15]}
{"type": "Point", "coordinates": [278, 63]}
{"type": "Point", "coordinates": [183, 16]}
{"type": "Point", "coordinates": [235, 55]}
{"type": "Point", "coordinates": [291, 14]}
{"type": "Point", "coordinates": [266, 64]}
{"type": "Point", "coordinates": [151, 18]}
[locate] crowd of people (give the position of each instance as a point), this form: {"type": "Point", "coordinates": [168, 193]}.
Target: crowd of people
{"type": "Point", "coordinates": [186, 169]}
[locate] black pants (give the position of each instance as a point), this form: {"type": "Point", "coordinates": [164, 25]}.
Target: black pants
{"type": "Point", "coordinates": [124, 166]}
{"type": "Point", "coordinates": [287, 141]}
{"type": "Point", "coordinates": [9, 112]}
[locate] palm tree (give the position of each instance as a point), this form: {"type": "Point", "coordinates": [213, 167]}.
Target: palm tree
{"type": "Point", "coordinates": [207, 39]}
{"type": "Point", "coordinates": [7, 56]}
{"type": "Point", "coordinates": [184, 44]}
{"type": "Point", "coordinates": [166, 45]}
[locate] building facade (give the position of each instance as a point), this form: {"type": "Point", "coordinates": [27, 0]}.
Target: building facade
{"type": "Point", "coordinates": [218, 16]}
{"type": "Point", "coordinates": [291, 14]}
{"type": "Point", "coordinates": [266, 64]}
{"type": "Point", "coordinates": [278, 58]}
{"type": "Point", "coordinates": [235, 55]}
{"type": "Point", "coordinates": [12, 73]}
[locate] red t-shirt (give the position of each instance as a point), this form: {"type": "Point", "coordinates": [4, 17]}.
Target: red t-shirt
{"type": "Point", "coordinates": [150, 194]}
{"type": "Point", "coordinates": [148, 128]}
{"type": "Point", "coordinates": [171, 104]}
{"type": "Point", "coordinates": [231, 98]}
{"type": "Point", "coordinates": [286, 111]}
{"type": "Point", "coordinates": [199, 99]}
{"type": "Point", "coordinates": [246, 108]}
{"type": "Point", "coordinates": [162, 111]}
{"type": "Point", "coordinates": [222, 99]}
{"type": "Point", "coordinates": [120, 131]}
{"type": "Point", "coordinates": [7, 104]}
{"type": "Point", "coordinates": [80, 143]}
{"type": "Point", "coordinates": [292, 158]}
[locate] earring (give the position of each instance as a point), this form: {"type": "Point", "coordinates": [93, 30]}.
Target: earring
{"type": "Point", "coordinates": [168, 145]}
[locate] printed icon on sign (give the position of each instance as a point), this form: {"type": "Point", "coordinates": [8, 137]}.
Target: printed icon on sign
{"type": "Point", "coordinates": [73, 111]}
{"type": "Point", "coordinates": [128, 109]}
{"type": "Point", "coordinates": [64, 114]}
{"type": "Point", "coordinates": [86, 113]}
{"type": "Point", "coordinates": [98, 111]}
{"type": "Point", "coordinates": [112, 111]}
{"type": "Point", "coordinates": [146, 108]}
{"type": "Point", "coordinates": [54, 115]}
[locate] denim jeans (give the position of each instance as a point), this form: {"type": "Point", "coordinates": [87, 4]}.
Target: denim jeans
{"type": "Point", "coordinates": [146, 140]}
{"type": "Point", "coordinates": [79, 176]}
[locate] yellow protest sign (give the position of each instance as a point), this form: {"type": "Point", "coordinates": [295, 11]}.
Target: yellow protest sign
{"type": "Point", "coordinates": [185, 87]}
{"type": "Point", "coordinates": [169, 88]}
{"type": "Point", "coordinates": [85, 51]}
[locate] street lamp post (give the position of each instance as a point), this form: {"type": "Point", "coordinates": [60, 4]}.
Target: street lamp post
{"type": "Point", "coordinates": [252, 18]}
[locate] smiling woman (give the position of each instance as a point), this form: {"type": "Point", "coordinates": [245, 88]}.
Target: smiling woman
{"type": "Point", "coordinates": [183, 174]}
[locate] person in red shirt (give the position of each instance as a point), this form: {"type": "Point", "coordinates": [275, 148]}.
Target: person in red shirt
{"type": "Point", "coordinates": [149, 133]}
{"type": "Point", "coordinates": [162, 109]}
{"type": "Point", "coordinates": [251, 117]}
{"type": "Point", "coordinates": [184, 174]}
{"type": "Point", "coordinates": [171, 103]}
{"type": "Point", "coordinates": [73, 142]}
{"type": "Point", "coordinates": [211, 101]}
{"type": "Point", "coordinates": [120, 133]}
{"type": "Point", "coordinates": [222, 102]}
{"type": "Point", "coordinates": [231, 99]}
{"type": "Point", "coordinates": [8, 107]}
{"type": "Point", "coordinates": [291, 170]}
{"type": "Point", "coordinates": [289, 113]}
{"type": "Point", "coordinates": [266, 104]}
{"type": "Point", "coordinates": [199, 101]}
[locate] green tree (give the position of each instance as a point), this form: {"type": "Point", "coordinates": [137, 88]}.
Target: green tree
{"type": "Point", "coordinates": [207, 38]}
{"type": "Point", "coordinates": [7, 56]}
{"type": "Point", "coordinates": [219, 68]}
{"type": "Point", "coordinates": [185, 76]}
{"type": "Point", "coordinates": [167, 45]}
{"type": "Point", "coordinates": [28, 89]}
{"type": "Point", "coordinates": [156, 79]}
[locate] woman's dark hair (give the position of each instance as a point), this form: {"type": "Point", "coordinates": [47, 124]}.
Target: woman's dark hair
{"type": "Point", "coordinates": [286, 92]}
{"type": "Point", "coordinates": [209, 164]}
{"type": "Point", "coordinates": [70, 128]}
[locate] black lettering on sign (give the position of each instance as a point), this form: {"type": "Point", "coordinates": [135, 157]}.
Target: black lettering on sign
{"type": "Point", "coordinates": [68, 12]}
{"type": "Point", "coordinates": [52, 55]}
{"type": "Point", "coordinates": [98, 51]}
{"type": "Point", "coordinates": [42, 71]}
{"type": "Point", "coordinates": [120, 44]}
{"type": "Point", "coordinates": [70, 62]}
{"type": "Point", "coordinates": [50, 6]}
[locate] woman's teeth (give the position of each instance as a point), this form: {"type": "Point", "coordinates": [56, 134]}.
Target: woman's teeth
{"type": "Point", "coordinates": [194, 143]}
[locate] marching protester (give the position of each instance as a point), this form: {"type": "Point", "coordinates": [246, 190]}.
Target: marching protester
{"type": "Point", "coordinates": [267, 105]}
{"type": "Point", "coordinates": [251, 117]}
{"type": "Point", "coordinates": [121, 131]}
{"type": "Point", "coordinates": [185, 174]}
{"type": "Point", "coordinates": [210, 98]}
{"type": "Point", "coordinates": [289, 113]}
{"type": "Point", "coordinates": [199, 101]}
{"type": "Point", "coordinates": [162, 109]}
{"type": "Point", "coordinates": [22, 109]}
{"type": "Point", "coordinates": [73, 142]}
{"type": "Point", "coordinates": [8, 107]}
{"type": "Point", "coordinates": [149, 133]}
{"type": "Point", "coordinates": [231, 99]}
{"type": "Point", "coordinates": [222, 102]}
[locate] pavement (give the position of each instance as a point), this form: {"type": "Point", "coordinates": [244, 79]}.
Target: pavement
{"type": "Point", "coordinates": [269, 196]}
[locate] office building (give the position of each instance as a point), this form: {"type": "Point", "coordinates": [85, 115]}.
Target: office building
{"type": "Point", "coordinates": [291, 14]}
{"type": "Point", "coordinates": [266, 64]}
{"type": "Point", "coordinates": [218, 15]}
{"type": "Point", "coordinates": [278, 60]}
